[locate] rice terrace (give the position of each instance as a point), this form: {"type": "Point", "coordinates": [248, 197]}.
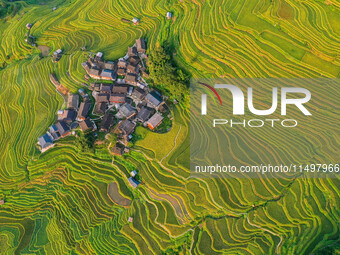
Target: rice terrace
{"type": "Point", "coordinates": [96, 127]}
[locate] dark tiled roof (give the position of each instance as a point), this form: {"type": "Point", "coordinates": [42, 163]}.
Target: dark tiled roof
{"type": "Point", "coordinates": [121, 71]}
{"type": "Point", "coordinates": [84, 109]}
{"type": "Point", "coordinates": [125, 111]}
{"type": "Point", "coordinates": [143, 114]}
{"type": "Point", "coordinates": [100, 108]}
{"type": "Point", "coordinates": [130, 78]}
{"type": "Point", "coordinates": [107, 121]}
{"type": "Point", "coordinates": [118, 98]}
{"type": "Point", "coordinates": [154, 98]}
{"type": "Point", "coordinates": [133, 182]}
{"type": "Point", "coordinates": [94, 71]}
{"type": "Point", "coordinates": [105, 87]}
{"type": "Point", "coordinates": [74, 125]}
{"type": "Point", "coordinates": [45, 141]}
{"type": "Point", "coordinates": [133, 60]}
{"type": "Point", "coordinates": [102, 97]}
{"type": "Point", "coordinates": [118, 149]}
{"type": "Point", "coordinates": [62, 127]}
{"type": "Point", "coordinates": [69, 115]}
{"type": "Point", "coordinates": [132, 51]}
{"type": "Point", "coordinates": [120, 89]}
{"type": "Point", "coordinates": [73, 101]}
{"type": "Point", "coordinates": [141, 45]}
{"type": "Point", "coordinates": [155, 120]}
{"type": "Point", "coordinates": [127, 127]}
{"type": "Point", "coordinates": [131, 68]}
{"type": "Point", "coordinates": [138, 93]}
{"type": "Point", "coordinates": [86, 124]}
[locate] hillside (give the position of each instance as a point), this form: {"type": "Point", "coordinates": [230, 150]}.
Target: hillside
{"type": "Point", "coordinates": [58, 202]}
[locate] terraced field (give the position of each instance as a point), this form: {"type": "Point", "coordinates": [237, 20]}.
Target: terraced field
{"type": "Point", "coordinates": [58, 202]}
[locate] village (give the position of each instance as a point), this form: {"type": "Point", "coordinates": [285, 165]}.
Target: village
{"type": "Point", "coordinates": [119, 100]}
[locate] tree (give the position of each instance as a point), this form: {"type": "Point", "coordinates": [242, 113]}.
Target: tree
{"type": "Point", "coordinates": [84, 142]}
{"type": "Point", "coordinates": [166, 76]}
{"type": "Point", "coordinates": [112, 138]}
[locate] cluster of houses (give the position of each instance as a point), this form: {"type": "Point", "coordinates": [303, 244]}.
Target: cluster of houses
{"type": "Point", "coordinates": [127, 100]}
{"type": "Point", "coordinates": [122, 100]}
{"type": "Point", "coordinates": [128, 66]}
{"type": "Point", "coordinates": [98, 69]}
{"type": "Point", "coordinates": [74, 116]}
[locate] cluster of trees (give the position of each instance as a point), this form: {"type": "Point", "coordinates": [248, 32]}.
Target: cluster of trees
{"type": "Point", "coordinates": [166, 76]}
{"type": "Point", "coordinates": [165, 126]}
{"type": "Point", "coordinates": [31, 40]}
{"type": "Point", "coordinates": [12, 7]}
{"type": "Point", "coordinates": [7, 8]}
{"type": "Point", "coordinates": [84, 142]}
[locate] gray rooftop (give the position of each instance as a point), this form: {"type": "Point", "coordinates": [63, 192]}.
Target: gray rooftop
{"type": "Point", "coordinates": [102, 97]}
{"type": "Point", "coordinates": [138, 93]}
{"type": "Point", "coordinates": [143, 114]}
{"type": "Point", "coordinates": [100, 108]}
{"type": "Point", "coordinates": [141, 45]}
{"type": "Point", "coordinates": [109, 74]}
{"type": "Point", "coordinates": [94, 71]}
{"type": "Point", "coordinates": [45, 141]}
{"type": "Point", "coordinates": [105, 87]}
{"type": "Point", "coordinates": [154, 98]}
{"type": "Point", "coordinates": [73, 101]}
{"type": "Point", "coordinates": [127, 127]}
{"type": "Point", "coordinates": [86, 124]}
{"type": "Point", "coordinates": [125, 111]}
{"type": "Point", "coordinates": [117, 98]}
{"type": "Point", "coordinates": [120, 89]}
{"type": "Point", "coordinates": [155, 120]}
{"type": "Point", "coordinates": [84, 109]}
{"type": "Point", "coordinates": [133, 182]}
{"type": "Point", "coordinates": [62, 128]}
{"type": "Point", "coordinates": [130, 78]}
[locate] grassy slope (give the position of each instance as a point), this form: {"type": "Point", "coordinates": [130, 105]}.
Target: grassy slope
{"type": "Point", "coordinates": [56, 203]}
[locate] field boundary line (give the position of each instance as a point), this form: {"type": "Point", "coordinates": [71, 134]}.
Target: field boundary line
{"type": "Point", "coordinates": [180, 126]}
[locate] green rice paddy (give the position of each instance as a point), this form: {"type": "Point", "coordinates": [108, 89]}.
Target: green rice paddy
{"type": "Point", "coordinates": [58, 202]}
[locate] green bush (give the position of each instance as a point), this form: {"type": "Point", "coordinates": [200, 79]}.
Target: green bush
{"type": "Point", "coordinates": [166, 76]}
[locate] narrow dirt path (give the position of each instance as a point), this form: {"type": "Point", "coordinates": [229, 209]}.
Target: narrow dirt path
{"type": "Point", "coordinates": [180, 126]}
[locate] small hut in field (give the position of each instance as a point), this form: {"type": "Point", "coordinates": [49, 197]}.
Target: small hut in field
{"type": "Point", "coordinates": [168, 15]}
{"type": "Point", "coordinates": [135, 21]}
